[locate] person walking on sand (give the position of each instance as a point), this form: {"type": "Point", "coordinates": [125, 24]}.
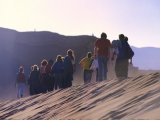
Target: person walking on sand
{"type": "Point", "coordinates": [34, 81]}
{"type": "Point", "coordinates": [130, 52]}
{"type": "Point", "coordinates": [102, 51]}
{"type": "Point", "coordinates": [124, 53]}
{"type": "Point", "coordinates": [69, 68]}
{"type": "Point", "coordinates": [94, 68]}
{"type": "Point", "coordinates": [86, 64]}
{"type": "Point", "coordinates": [49, 76]}
{"type": "Point", "coordinates": [43, 76]}
{"type": "Point", "coordinates": [58, 72]}
{"type": "Point", "coordinates": [20, 82]}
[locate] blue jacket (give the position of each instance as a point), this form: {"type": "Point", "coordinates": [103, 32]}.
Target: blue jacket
{"type": "Point", "coordinates": [58, 67]}
{"type": "Point", "coordinates": [68, 65]}
{"type": "Point", "coordinates": [124, 50]}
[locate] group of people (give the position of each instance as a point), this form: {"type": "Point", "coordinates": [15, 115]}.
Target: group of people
{"type": "Point", "coordinates": [49, 76]}
{"type": "Point", "coordinates": [104, 50]}
{"type": "Point", "coordinates": [59, 74]}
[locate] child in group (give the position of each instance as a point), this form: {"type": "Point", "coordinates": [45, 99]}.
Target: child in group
{"type": "Point", "coordinates": [20, 82]}
{"type": "Point", "coordinates": [85, 64]}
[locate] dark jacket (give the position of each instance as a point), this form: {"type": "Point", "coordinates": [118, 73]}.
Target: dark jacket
{"type": "Point", "coordinates": [34, 78]}
{"type": "Point", "coordinates": [58, 67]}
{"type": "Point", "coordinates": [124, 50]}
{"type": "Point", "coordinates": [68, 67]}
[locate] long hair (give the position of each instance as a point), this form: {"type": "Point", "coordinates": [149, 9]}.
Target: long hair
{"type": "Point", "coordinates": [44, 62]}
{"type": "Point", "coordinates": [21, 69]}
{"type": "Point", "coordinates": [35, 67]}
{"type": "Point", "coordinates": [59, 58]}
{"type": "Point", "coordinates": [70, 53]}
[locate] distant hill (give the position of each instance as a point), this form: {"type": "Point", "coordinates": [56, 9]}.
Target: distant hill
{"type": "Point", "coordinates": [147, 58]}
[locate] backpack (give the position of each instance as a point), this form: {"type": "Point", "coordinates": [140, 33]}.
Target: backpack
{"type": "Point", "coordinates": [124, 50]}
{"type": "Point", "coordinates": [130, 53]}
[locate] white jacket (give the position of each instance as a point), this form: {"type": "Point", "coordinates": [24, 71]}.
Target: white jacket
{"type": "Point", "coordinates": [94, 65]}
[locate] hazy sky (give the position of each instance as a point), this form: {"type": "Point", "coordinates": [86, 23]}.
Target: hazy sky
{"type": "Point", "coordinates": [137, 19]}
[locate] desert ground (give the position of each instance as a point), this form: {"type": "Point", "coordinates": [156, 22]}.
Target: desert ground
{"type": "Point", "coordinates": [136, 98]}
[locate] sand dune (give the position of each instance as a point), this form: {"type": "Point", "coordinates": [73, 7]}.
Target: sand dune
{"type": "Point", "coordinates": [136, 98]}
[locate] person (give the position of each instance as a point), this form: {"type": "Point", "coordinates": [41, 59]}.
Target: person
{"type": "Point", "coordinates": [58, 72]}
{"type": "Point", "coordinates": [123, 55]}
{"type": "Point", "coordinates": [115, 44]}
{"type": "Point", "coordinates": [49, 76]}
{"type": "Point", "coordinates": [34, 81]}
{"type": "Point", "coordinates": [69, 68]}
{"type": "Point", "coordinates": [20, 82]}
{"type": "Point", "coordinates": [94, 68]}
{"type": "Point", "coordinates": [86, 64]}
{"type": "Point", "coordinates": [43, 75]}
{"type": "Point", "coordinates": [102, 51]}
{"type": "Point", "coordinates": [28, 80]}
{"type": "Point", "coordinates": [130, 59]}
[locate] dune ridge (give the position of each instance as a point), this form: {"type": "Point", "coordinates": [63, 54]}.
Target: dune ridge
{"type": "Point", "coordinates": [134, 98]}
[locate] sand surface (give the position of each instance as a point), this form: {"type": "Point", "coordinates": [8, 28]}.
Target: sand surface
{"type": "Point", "coordinates": [136, 98]}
